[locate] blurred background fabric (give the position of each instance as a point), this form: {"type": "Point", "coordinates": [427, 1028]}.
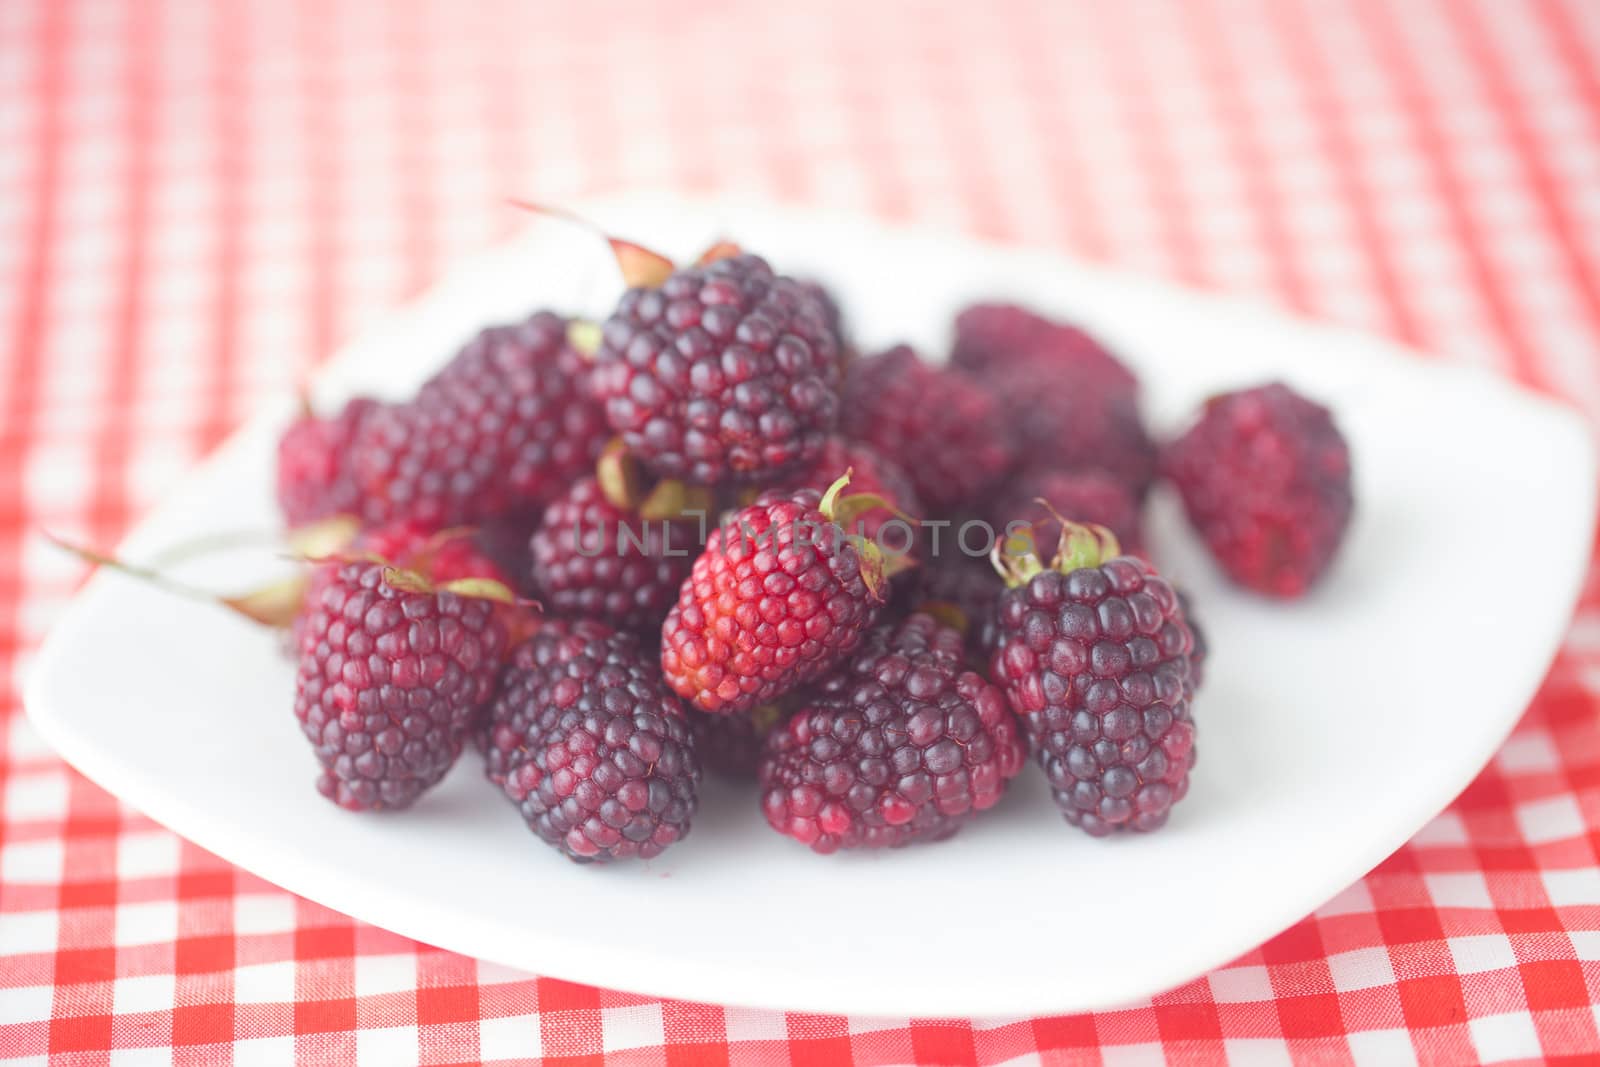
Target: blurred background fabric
{"type": "Point", "coordinates": [200, 201]}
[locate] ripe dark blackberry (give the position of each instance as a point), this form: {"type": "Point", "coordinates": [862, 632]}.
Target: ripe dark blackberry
{"type": "Point", "coordinates": [941, 428]}
{"type": "Point", "coordinates": [596, 558]}
{"type": "Point", "coordinates": [870, 472]}
{"type": "Point", "coordinates": [503, 429]}
{"type": "Point", "coordinates": [778, 596]}
{"type": "Point", "coordinates": [1069, 402]}
{"type": "Point", "coordinates": [988, 336]}
{"type": "Point", "coordinates": [732, 745]}
{"type": "Point", "coordinates": [726, 373]}
{"type": "Point", "coordinates": [389, 682]}
{"type": "Point", "coordinates": [1064, 420]}
{"type": "Point", "coordinates": [314, 476]}
{"type": "Point", "coordinates": [590, 747]}
{"type": "Point", "coordinates": [1085, 496]}
{"type": "Point", "coordinates": [902, 744]}
{"type": "Point", "coordinates": [997, 338]}
{"type": "Point", "coordinates": [1095, 657]}
{"type": "Point", "coordinates": [1265, 478]}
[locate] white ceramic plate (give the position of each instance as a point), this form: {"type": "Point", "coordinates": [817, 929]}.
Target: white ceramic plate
{"type": "Point", "coordinates": [1330, 730]}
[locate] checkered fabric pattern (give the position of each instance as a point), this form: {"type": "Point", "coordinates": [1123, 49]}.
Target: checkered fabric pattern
{"type": "Point", "coordinates": [198, 200]}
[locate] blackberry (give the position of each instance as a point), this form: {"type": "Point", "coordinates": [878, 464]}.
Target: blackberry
{"type": "Point", "coordinates": [727, 373]}
{"type": "Point", "coordinates": [442, 556]}
{"type": "Point", "coordinates": [503, 429]}
{"type": "Point", "coordinates": [778, 596]}
{"type": "Point", "coordinates": [1066, 421]}
{"type": "Point", "coordinates": [1095, 657]}
{"type": "Point", "coordinates": [598, 557]}
{"type": "Point", "coordinates": [314, 476]}
{"type": "Point", "coordinates": [942, 429]}
{"type": "Point", "coordinates": [1265, 478]}
{"type": "Point", "coordinates": [1070, 403]}
{"type": "Point", "coordinates": [590, 747]}
{"type": "Point", "coordinates": [902, 744]}
{"type": "Point", "coordinates": [997, 338]}
{"type": "Point", "coordinates": [390, 680]}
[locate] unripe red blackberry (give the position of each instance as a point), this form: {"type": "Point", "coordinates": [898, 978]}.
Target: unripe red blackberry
{"type": "Point", "coordinates": [901, 744]}
{"type": "Point", "coordinates": [1095, 657]}
{"type": "Point", "coordinates": [779, 595]}
{"type": "Point", "coordinates": [1265, 478]}
{"type": "Point", "coordinates": [941, 428]}
{"type": "Point", "coordinates": [590, 747]}
{"type": "Point", "coordinates": [391, 675]}
{"type": "Point", "coordinates": [503, 429]}
{"type": "Point", "coordinates": [725, 373]}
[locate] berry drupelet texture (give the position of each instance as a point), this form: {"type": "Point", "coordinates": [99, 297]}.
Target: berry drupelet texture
{"type": "Point", "coordinates": [728, 373]}
{"type": "Point", "coordinates": [1096, 662]}
{"type": "Point", "coordinates": [590, 747]}
{"type": "Point", "coordinates": [1265, 478]}
{"type": "Point", "coordinates": [441, 556]}
{"type": "Point", "coordinates": [314, 476]}
{"type": "Point", "coordinates": [902, 744]}
{"type": "Point", "coordinates": [503, 429]}
{"type": "Point", "coordinates": [944, 430]}
{"type": "Point", "coordinates": [778, 596]}
{"type": "Point", "coordinates": [595, 559]}
{"type": "Point", "coordinates": [389, 683]}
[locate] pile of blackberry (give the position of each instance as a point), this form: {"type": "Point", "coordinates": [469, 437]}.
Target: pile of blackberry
{"type": "Point", "coordinates": [714, 534]}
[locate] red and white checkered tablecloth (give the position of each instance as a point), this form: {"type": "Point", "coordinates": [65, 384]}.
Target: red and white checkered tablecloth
{"type": "Point", "coordinates": [198, 200]}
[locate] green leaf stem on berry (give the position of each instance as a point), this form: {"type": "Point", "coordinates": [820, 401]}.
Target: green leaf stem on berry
{"type": "Point", "coordinates": [877, 566]}
{"type": "Point", "coordinates": [1017, 559]}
